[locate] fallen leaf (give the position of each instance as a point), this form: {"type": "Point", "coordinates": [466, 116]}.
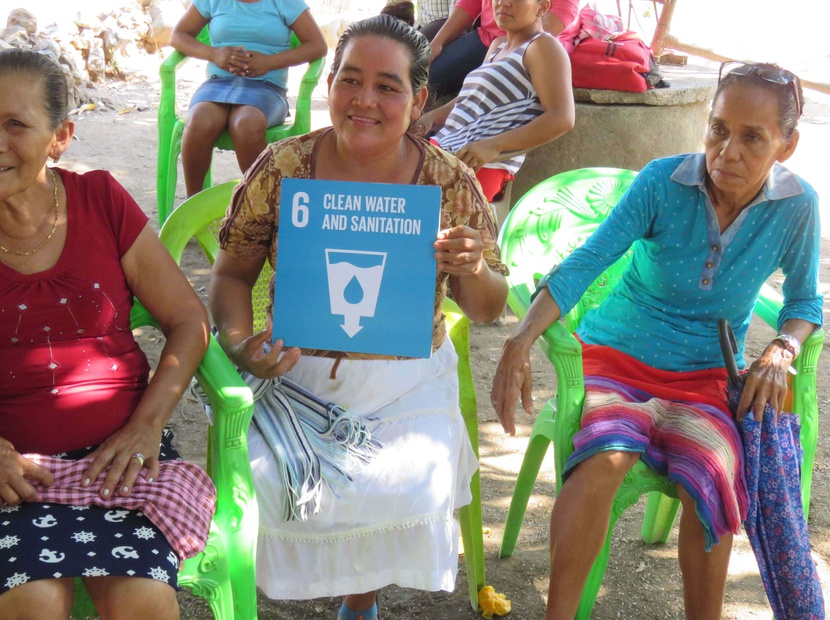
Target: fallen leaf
{"type": "Point", "coordinates": [84, 108]}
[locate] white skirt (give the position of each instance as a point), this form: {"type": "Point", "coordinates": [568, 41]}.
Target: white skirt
{"type": "Point", "coordinates": [394, 523]}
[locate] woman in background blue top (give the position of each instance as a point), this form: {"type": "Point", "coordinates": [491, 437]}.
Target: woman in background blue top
{"type": "Point", "coordinates": [245, 92]}
{"type": "Point", "coordinates": [706, 231]}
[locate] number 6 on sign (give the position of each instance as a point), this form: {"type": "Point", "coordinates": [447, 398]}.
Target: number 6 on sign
{"type": "Point", "coordinates": [299, 210]}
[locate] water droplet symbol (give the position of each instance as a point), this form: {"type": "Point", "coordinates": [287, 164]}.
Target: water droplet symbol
{"type": "Point", "coordinates": [353, 293]}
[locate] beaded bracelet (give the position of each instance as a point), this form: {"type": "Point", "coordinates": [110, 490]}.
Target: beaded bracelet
{"type": "Point", "coordinates": [790, 343]}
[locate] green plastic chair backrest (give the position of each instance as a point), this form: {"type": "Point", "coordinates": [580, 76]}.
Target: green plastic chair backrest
{"type": "Point", "coordinates": [551, 221]}
{"type": "Point", "coordinates": [201, 218]}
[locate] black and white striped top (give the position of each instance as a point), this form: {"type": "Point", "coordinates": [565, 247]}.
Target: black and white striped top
{"type": "Point", "coordinates": [496, 97]}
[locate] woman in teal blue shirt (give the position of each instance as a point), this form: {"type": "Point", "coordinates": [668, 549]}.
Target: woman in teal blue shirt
{"type": "Point", "coordinates": [706, 231]}
{"type": "Point", "coordinates": [248, 62]}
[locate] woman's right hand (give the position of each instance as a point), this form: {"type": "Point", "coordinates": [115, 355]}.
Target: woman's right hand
{"type": "Point", "coordinates": [435, 50]}
{"type": "Point", "coordinates": [478, 154]}
{"type": "Point", "coordinates": [250, 356]}
{"type": "Point", "coordinates": [513, 376]}
{"type": "Point", "coordinates": [233, 59]}
{"type": "Point", "coordinates": [15, 474]}
{"type": "Point", "coordinates": [513, 379]}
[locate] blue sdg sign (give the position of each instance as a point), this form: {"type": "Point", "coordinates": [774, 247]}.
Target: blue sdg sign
{"type": "Point", "coordinates": [356, 267]}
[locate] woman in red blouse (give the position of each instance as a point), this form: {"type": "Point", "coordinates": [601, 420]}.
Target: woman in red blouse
{"type": "Point", "coordinates": [74, 250]}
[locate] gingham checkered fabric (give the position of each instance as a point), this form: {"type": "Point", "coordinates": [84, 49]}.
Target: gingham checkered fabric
{"type": "Point", "coordinates": [180, 502]}
{"type": "Point", "coordinates": [430, 10]}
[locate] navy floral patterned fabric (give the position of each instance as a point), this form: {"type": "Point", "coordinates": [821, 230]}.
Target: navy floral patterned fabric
{"type": "Point", "coordinates": [775, 522]}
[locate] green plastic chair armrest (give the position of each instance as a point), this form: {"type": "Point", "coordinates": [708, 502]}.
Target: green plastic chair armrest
{"type": "Point", "coordinates": [225, 389]}
{"type": "Point", "coordinates": [565, 354]}
{"type": "Point", "coordinates": [311, 77]}
{"type": "Point", "coordinates": [177, 231]}
{"type": "Point", "coordinates": [140, 317]}
{"type": "Point", "coordinates": [768, 308]}
{"type": "Point", "coordinates": [167, 102]}
{"type": "Point", "coordinates": [556, 340]}
{"type": "Point", "coordinates": [769, 305]}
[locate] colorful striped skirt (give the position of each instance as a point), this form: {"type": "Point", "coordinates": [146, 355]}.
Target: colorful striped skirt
{"type": "Point", "coordinates": [680, 424]}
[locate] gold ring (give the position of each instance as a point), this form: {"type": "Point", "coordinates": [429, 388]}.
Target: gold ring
{"type": "Point", "coordinates": [138, 457]}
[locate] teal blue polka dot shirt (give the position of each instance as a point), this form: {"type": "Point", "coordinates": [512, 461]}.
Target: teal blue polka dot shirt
{"type": "Point", "coordinates": [685, 274]}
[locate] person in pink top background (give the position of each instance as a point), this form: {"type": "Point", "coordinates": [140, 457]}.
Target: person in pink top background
{"type": "Point", "coordinates": [456, 52]}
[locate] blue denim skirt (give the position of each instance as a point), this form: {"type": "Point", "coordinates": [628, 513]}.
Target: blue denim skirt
{"type": "Point", "coordinates": [238, 90]}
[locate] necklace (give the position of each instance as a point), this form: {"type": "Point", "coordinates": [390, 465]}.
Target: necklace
{"type": "Point", "coordinates": [51, 232]}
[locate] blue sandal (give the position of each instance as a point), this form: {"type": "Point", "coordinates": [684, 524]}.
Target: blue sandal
{"type": "Point", "coordinates": [367, 614]}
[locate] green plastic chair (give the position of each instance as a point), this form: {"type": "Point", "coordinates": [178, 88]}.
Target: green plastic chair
{"type": "Point", "coordinates": [171, 124]}
{"type": "Point", "coordinates": [544, 227]}
{"type": "Point", "coordinates": [223, 573]}
{"type": "Point", "coordinates": [200, 217]}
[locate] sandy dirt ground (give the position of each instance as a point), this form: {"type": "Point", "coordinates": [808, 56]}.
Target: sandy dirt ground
{"type": "Point", "coordinates": [642, 582]}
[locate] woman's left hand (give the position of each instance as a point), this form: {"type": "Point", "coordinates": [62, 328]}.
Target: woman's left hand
{"type": "Point", "coordinates": [478, 154]}
{"type": "Point", "coordinates": [766, 383]}
{"type": "Point", "coordinates": [258, 64]}
{"type": "Point", "coordinates": [459, 251]}
{"type": "Point", "coordinates": [115, 457]}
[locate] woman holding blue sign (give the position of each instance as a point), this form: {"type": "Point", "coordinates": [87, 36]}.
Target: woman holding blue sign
{"type": "Point", "coordinates": [393, 523]}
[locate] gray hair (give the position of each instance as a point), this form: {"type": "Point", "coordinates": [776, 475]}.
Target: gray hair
{"type": "Point", "coordinates": [783, 84]}
{"type": "Point", "coordinates": [39, 66]}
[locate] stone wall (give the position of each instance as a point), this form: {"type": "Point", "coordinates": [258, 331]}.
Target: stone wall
{"type": "Point", "coordinates": [90, 46]}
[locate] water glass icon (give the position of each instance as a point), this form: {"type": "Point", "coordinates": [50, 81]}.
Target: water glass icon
{"type": "Point", "coordinates": [354, 279]}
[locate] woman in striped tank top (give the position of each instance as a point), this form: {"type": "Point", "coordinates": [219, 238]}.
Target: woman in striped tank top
{"type": "Point", "coordinates": [520, 98]}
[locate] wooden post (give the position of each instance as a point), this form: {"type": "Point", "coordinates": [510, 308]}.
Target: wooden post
{"type": "Point", "coordinates": [663, 26]}
{"type": "Point", "coordinates": [702, 52]}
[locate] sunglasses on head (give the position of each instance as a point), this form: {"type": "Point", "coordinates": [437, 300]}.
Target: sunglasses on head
{"type": "Point", "coordinates": [776, 75]}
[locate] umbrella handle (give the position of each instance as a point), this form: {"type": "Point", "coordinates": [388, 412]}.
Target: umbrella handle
{"type": "Point", "coordinates": [728, 347]}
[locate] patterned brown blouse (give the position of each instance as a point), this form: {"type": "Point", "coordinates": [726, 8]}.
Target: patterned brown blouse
{"type": "Point", "coordinates": [249, 230]}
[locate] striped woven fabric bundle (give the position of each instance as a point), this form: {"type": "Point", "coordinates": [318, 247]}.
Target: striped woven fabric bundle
{"type": "Point", "coordinates": [315, 442]}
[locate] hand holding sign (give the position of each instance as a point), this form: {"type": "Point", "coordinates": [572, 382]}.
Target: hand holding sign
{"type": "Point", "coordinates": [459, 251]}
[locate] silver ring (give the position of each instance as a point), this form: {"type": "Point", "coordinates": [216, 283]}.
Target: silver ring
{"type": "Point", "coordinates": [247, 72]}
{"type": "Point", "coordinates": [138, 457]}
